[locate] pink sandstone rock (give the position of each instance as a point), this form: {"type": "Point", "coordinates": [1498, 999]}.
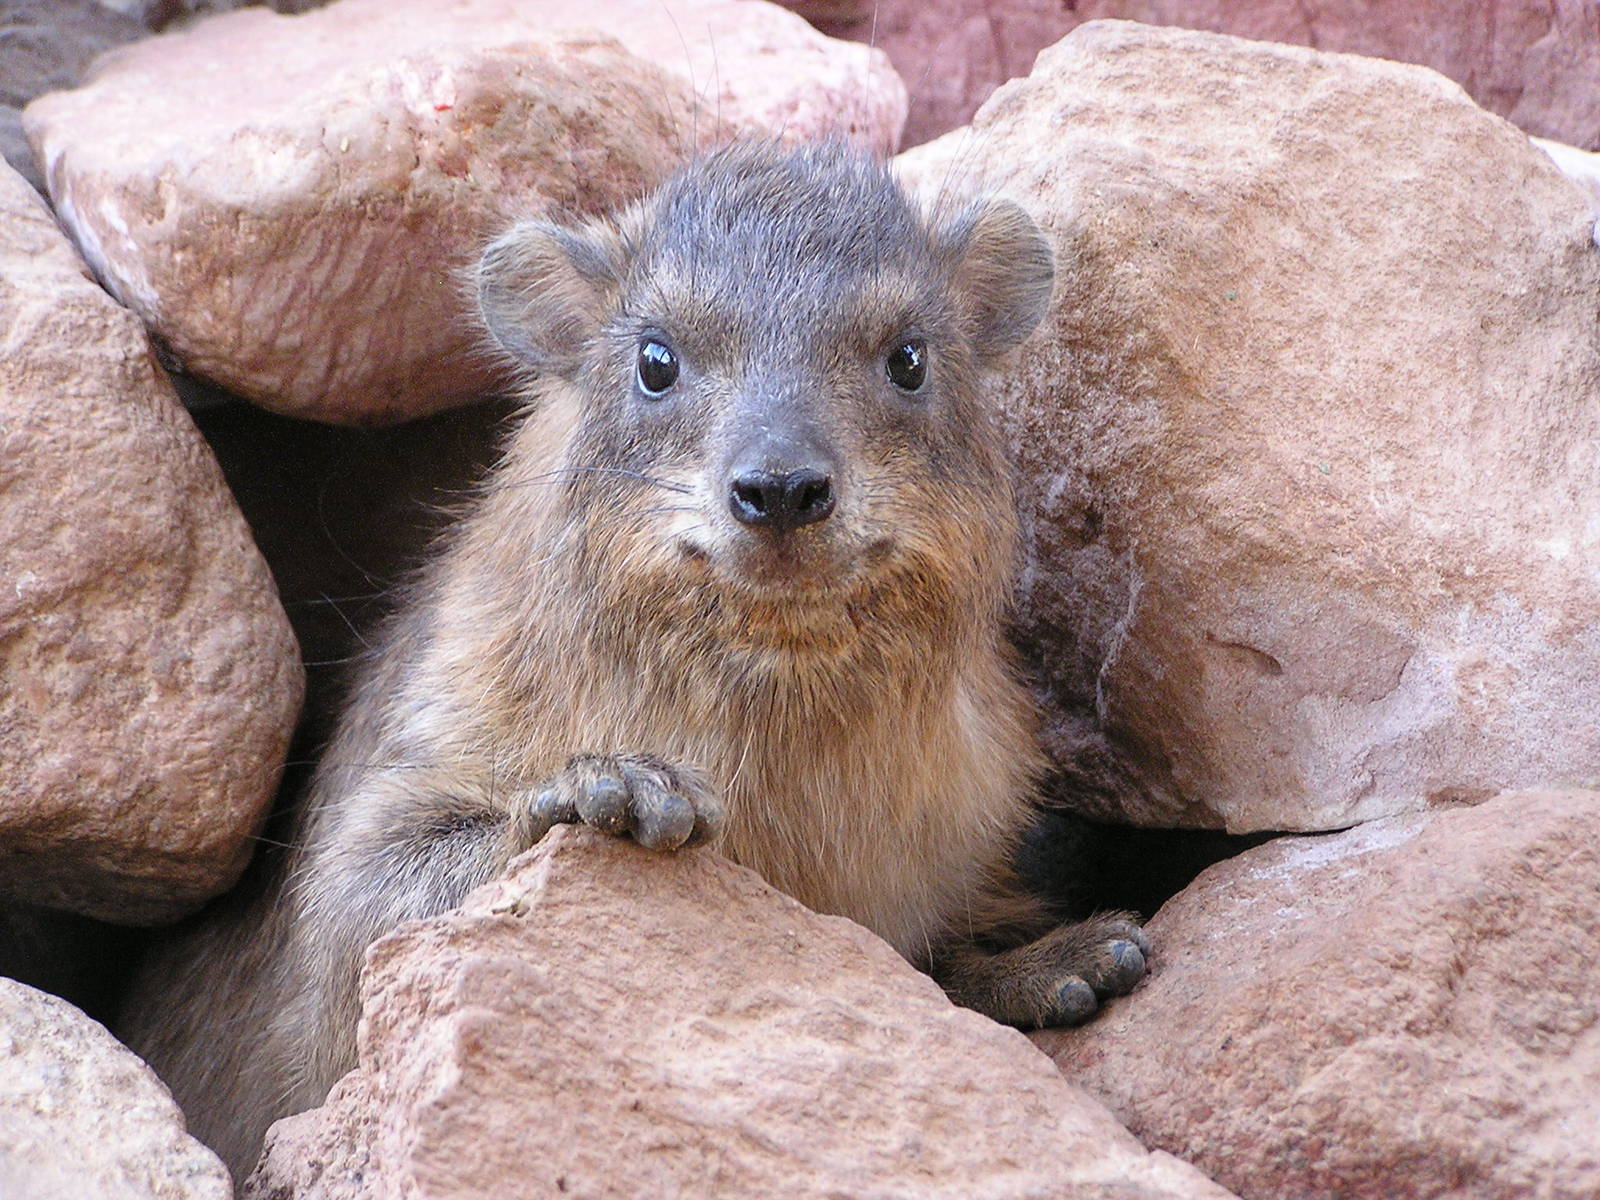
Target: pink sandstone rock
{"type": "Point", "coordinates": [1409, 1009]}
{"type": "Point", "coordinates": [1536, 62]}
{"type": "Point", "coordinates": [609, 1022]}
{"type": "Point", "coordinates": [1308, 438]}
{"type": "Point", "coordinates": [288, 201]}
{"type": "Point", "coordinates": [151, 681]}
{"type": "Point", "coordinates": [82, 1118]}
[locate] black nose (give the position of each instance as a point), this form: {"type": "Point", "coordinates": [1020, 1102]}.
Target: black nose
{"type": "Point", "coordinates": [780, 501]}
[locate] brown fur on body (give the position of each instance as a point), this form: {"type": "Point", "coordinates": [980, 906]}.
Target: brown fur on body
{"type": "Point", "coordinates": [835, 700]}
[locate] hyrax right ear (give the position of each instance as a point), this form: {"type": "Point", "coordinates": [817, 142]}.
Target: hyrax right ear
{"type": "Point", "coordinates": [543, 291]}
{"type": "Point", "coordinates": [1003, 272]}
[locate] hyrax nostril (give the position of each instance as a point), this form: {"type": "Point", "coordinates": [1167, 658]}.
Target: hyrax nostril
{"type": "Point", "coordinates": [780, 501]}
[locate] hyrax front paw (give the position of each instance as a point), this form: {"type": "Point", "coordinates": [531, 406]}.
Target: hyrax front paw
{"type": "Point", "coordinates": [1078, 966]}
{"type": "Point", "coordinates": [660, 806]}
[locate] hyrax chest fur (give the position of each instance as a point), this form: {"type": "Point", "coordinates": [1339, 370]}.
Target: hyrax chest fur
{"type": "Point", "coordinates": [739, 579]}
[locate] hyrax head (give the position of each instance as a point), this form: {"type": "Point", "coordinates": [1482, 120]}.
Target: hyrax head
{"type": "Point", "coordinates": [774, 366]}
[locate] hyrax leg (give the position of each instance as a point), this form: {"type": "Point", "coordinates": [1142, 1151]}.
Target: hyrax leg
{"type": "Point", "coordinates": [663, 807]}
{"type": "Point", "coordinates": [1058, 979]}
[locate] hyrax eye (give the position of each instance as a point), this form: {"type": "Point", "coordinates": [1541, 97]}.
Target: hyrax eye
{"type": "Point", "coordinates": [907, 364]}
{"type": "Point", "coordinates": [658, 367]}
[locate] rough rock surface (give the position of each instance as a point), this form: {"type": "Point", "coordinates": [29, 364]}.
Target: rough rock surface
{"type": "Point", "coordinates": [1409, 1009]}
{"type": "Point", "coordinates": [610, 1022]}
{"type": "Point", "coordinates": [1308, 436]}
{"type": "Point", "coordinates": [81, 1116]}
{"type": "Point", "coordinates": [151, 680]}
{"type": "Point", "coordinates": [288, 202]}
{"type": "Point", "coordinates": [1534, 61]}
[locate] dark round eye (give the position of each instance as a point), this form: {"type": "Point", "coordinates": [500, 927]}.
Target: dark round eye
{"type": "Point", "coordinates": [658, 367]}
{"type": "Point", "coordinates": [907, 364]}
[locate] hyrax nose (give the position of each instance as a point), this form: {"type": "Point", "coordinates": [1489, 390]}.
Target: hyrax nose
{"type": "Point", "coordinates": [780, 500]}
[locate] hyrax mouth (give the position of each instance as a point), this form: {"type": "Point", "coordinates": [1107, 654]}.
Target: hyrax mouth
{"type": "Point", "coordinates": [798, 567]}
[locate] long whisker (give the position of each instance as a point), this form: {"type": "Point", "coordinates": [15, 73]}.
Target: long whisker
{"type": "Point", "coordinates": [557, 474]}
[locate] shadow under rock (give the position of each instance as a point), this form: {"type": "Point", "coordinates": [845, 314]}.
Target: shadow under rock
{"type": "Point", "coordinates": [1081, 867]}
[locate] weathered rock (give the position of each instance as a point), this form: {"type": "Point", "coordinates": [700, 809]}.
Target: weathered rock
{"type": "Point", "coordinates": [288, 201]}
{"type": "Point", "coordinates": [1405, 1010]}
{"type": "Point", "coordinates": [81, 1116]}
{"type": "Point", "coordinates": [1534, 61]}
{"type": "Point", "coordinates": [151, 681]}
{"type": "Point", "coordinates": [1308, 437]}
{"type": "Point", "coordinates": [610, 1022]}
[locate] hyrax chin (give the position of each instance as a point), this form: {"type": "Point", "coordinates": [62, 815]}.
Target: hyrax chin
{"type": "Point", "coordinates": [739, 579]}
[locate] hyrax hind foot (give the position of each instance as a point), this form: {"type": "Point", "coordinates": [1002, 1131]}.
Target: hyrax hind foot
{"type": "Point", "coordinates": [660, 806]}
{"type": "Point", "coordinates": [1060, 979]}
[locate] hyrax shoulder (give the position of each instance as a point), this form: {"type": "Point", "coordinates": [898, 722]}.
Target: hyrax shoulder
{"type": "Point", "coordinates": [738, 579]}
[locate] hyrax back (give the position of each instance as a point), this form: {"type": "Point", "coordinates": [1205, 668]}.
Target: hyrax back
{"type": "Point", "coordinates": [738, 579]}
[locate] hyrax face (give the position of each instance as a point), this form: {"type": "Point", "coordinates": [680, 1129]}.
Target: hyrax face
{"type": "Point", "coordinates": [775, 363]}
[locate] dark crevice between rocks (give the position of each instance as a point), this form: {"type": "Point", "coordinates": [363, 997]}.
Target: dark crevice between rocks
{"type": "Point", "coordinates": [343, 516]}
{"type": "Point", "coordinates": [1080, 866]}
{"type": "Point", "coordinates": [82, 960]}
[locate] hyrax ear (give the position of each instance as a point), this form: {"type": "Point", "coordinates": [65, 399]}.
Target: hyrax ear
{"type": "Point", "coordinates": [1003, 272]}
{"type": "Point", "coordinates": [543, 292]}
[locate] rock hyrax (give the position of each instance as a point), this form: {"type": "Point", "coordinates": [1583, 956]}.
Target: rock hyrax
{"type": "Point", "coordinates": [738, 579]}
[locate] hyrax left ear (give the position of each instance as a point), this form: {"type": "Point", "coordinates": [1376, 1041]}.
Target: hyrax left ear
{"type": "Point", "coordinates": [1003, 273]}
{"type": "Point", "coordinates": [543, 292]}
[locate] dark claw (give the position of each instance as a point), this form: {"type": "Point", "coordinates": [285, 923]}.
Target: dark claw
{"type": "Point", "coordinates": [1127, 968]}
{"type": "Point", "coordinates": [550, 807]}
{"type": "Point", "coordinates": [604, 805]}
{"type": "Point", "coordinates": [708, 821]}
{"type": "Point", "coordinates": [1075, 1002]}
{"type": "Point", "coordinates": [663, 821]}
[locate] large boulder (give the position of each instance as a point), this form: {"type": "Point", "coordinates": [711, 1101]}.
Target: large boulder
{"type": "Point", "coordinates": [151, 680]}
{"type": "Point", "coordinates": [288, 202]}
{"type": "Point", "coordinates": [1409, 1009]}
{"type": "Point", "coordinates": [1307, 438]}
{"type": "Point", "coordinates": [607, 1021]}
{"type": "Point", "coordinates": [1536, 62]}
{"type": "Point", "coordinates": [81, 1116]}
